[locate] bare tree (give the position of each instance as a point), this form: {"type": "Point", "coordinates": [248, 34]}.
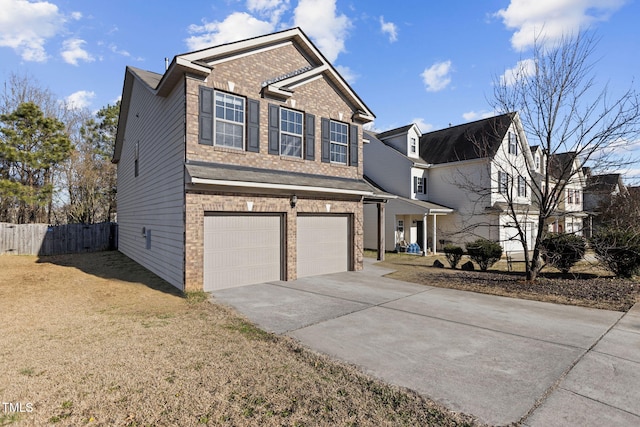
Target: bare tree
{"type": "Point", "coordinates": [571, 118]}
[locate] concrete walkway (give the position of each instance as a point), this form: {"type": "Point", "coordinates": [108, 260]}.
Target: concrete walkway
{"type": "Point", "coordinates": [502, 360]}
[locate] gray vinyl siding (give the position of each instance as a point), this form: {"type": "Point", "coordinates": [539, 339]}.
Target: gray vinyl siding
{"type": "Point", "coordinates": [155, 198]}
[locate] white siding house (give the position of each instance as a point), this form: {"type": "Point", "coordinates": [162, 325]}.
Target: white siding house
{"type": "Point", "coordinates": [473, 177]}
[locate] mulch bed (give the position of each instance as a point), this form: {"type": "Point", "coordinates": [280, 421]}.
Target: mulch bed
{"type": "Point", "coordinates": [584, 290]}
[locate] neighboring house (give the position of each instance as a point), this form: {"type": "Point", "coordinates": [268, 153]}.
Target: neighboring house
{"type": "Point", "coordinates": [598, 193]}
{"type": "Point", "coordinates": [565, 171]}
{"type": "Point", "coordinates": [241, 164]}
{"type": "Point", "coordinates": [466, 175]}
{"type": "Point", "coordinates": [393, 165]}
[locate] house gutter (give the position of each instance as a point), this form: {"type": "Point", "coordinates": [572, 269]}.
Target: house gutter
{"type": "Point", "coordinates": [278, 186]}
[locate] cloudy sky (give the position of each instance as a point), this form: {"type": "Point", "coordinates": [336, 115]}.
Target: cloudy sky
{"type": "Point", "coordinates": [429, 62]}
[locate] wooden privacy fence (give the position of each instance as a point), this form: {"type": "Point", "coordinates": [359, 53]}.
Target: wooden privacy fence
{"type": "Point", "coordinates": [43, 239]}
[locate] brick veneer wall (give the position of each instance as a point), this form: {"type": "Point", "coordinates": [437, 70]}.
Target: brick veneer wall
{"type": "Point", "coordinates": [198, 203]}
{"type": "Point", "coordinates": [244, 76]}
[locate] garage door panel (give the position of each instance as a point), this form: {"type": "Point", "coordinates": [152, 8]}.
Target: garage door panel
{"type": "Point", "coordinates": [323, 245]}
{"type": "Point", "coordinates": [241, 250]}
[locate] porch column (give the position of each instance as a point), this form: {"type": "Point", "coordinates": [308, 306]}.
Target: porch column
{"type": "Point", "coordinates": [433, 234]}
{"type": "Point", "coordinates": [381, 231]}
{"type": "Point", "coordinates": [424, 234]}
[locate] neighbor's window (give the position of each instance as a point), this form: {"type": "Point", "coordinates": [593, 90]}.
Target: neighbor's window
{"type": "Point", "coordinates": [413, 145]}
{"type": "Point", "coordinates": [537, 163]}
{"type": "Point", "coordinates": [229, 120]}
{"type": "Point", "coordinates": [290, 133]}
{"type": "Point", "coordinates": [570, 196]}
{"type": "Point", "coordinates": [577, 197]}
{"type": "Point", "coordinates": [339, 140]}
{"type": "Point", "coordinates": [522, 186]}
{"type": "Point", "coordinates": [503, 182]}
{"type": "Point", "coordinates": [513, 143]}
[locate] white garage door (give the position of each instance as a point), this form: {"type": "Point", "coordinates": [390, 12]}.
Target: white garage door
{"type": "Point", "coordinates": [323, 245]}
{"type": "Point", "coordinates": [241, 250]}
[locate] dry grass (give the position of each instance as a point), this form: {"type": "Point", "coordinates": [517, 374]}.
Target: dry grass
{"type": "Point", "coordinates": [96, 340]}
{"type": "Point", "coordinates": [588, 285]}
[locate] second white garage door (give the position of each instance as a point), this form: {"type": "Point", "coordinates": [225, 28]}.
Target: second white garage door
{"type": "Point", "coordinates": [323, 245]}
{"type": "Point", "coordinates": [241, 250]}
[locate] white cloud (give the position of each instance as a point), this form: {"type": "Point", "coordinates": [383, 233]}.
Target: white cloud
{"type": "Point", "coordinates": [522, 70]}
{"type": "Point", "coordinates": [79, 100]}
{"type": "Point", "coordinates": [271, 8]}
{"type": "Point", "coordinates": [422, 125]}
{"type": "Point", "coordinates": [319, 21]}
{"type": "Point", "coordinates": [76, 16]}
{"type": "Point", "coordinates": [73, 51]}
{"type": "Point", "coordinates": [347, 74]}
{"type": "Point", "coordinates": [25, 27]}
{"type": "Point", "coordinates": [122, 52]}
{"type": "Point", "coordinates": [477, 115]}
{"type": "Point", "coordinates": [389, 28]}
{"type": "Point", "coordinates": [553, 19]}
{"type": "Point", "coordinates": [437, 77]}
{"type": "Point", "coordinates": [237, 26]}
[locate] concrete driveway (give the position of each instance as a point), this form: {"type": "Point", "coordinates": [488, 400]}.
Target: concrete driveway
{"type": "Point", "coordinates": [502, 360]}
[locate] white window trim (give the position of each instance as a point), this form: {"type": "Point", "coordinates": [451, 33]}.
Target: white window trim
{"type": "Point", "coordinates": [218, 119]}
{"type": "Point", "coordinates": [503, 187]}
{"type": "Point", "coordinates": [283, 132]}
{"type": "Point", "coordinates": [522, 186]}
{"type": "Point", "coordinates": [413, 146]}
{"type": "Point", "coordinates": [343, 144]}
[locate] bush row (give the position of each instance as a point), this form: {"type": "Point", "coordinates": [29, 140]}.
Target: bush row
{"type": "Point", "coordinates": [617, 249]}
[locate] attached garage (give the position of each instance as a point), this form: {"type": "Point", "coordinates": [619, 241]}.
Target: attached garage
{"type": "Point", "coordinates": [241, 250]}
{"type": "Point", "coordinates": [323, 244]}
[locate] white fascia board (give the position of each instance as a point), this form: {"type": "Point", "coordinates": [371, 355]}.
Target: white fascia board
{"type": "Point", "coordinates": [275, 90]}
{"type": "Point", "coordinates": [421, 165]}
{"type": "Point", "coordinates": [249, 53]}
{"type": "Point", "coordinates": [242, 45]}
{"type": "Point", "coordinates": [302, 79]}
{"type": "Point", "coordinates": [278, 186]}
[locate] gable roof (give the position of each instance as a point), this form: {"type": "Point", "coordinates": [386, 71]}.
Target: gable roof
{"type": "Point", "coordinates": [561, 165]}
{"type": "Point", "coordinates": [605, 183]}
{"type": "Point", "coordinates": [474, 140]}
{"type": "Point", "coordinates": [372, 136]}
{"type": "Point", "coordinates": [397, 131]}
{"type": "Point", "coordinates": [201, 63]}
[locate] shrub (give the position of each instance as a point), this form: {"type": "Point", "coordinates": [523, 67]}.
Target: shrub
{"type": "Point", "coordinates": [453, 254]}
{"type": "Point", "coordinates": [484, 252]}
{"type": "Point", "coordinates": [618, 250]}
{"type": "Point", "coordinates": [563, 250]}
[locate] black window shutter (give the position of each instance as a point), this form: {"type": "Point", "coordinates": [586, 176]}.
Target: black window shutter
{"type": "Point", "coordinates": [424, 185]}
{"type": "Point", "coordinates": [353, 146]}
{"type": "Point", "coordinates": [415, 184]}
{"type": "Point", "coordinates": [205, 134]}
{"type": "Point", "coordinates": [310, 137]}
{"type": "Point", "coordinates": [253, 126]}
{"type": "Point", "coordinates": [274, 129]}
{"type": "Point", "coordinates": [325, 131]}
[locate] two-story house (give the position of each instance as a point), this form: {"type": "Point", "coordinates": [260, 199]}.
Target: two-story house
{"type": "Point", "coordinates": [566, 184]}
{"type": "Point", "coordinates": [241, 163]}
{"type": "Point", "coordinates": [599, 192]}
{"type": "Point", "coordinates": [474, 175]}
{"type": "Point", "coordinates": [393, 164]}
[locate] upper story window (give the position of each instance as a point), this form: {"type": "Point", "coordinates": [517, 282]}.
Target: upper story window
{"type": "Point", "coordinates": [537, 163]}
{"type": "Point", "coordinates": [503, 182]}
{"type": "Point", "coordinates": [570, 194]}
{"type": "Point", "coordinates": [290, 133]}
{"type": "Point", "coordinates": [339, 137]}
{"type": "Point", "coordinates": [513, 143]}
{"type": "Point", "coordinates": [522, 186]}
{"type": "Point", "coordinates": [577, 197]}
{"type": "Point", "coordinates": [413, 146]}
{"type": "Point", "coordinates": [229, 120]}
{"type": "Point", "coordinates": [419, 185]}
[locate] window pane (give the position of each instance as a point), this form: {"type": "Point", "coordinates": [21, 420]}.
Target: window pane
{"type": "Point", "coordinates": [290, 133]}
{"type": "Point", "coordinates": [339, 140]}
{"type": "Point", "coordinates": [229, 121]}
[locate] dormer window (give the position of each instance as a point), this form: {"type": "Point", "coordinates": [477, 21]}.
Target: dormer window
{"type": "Point", "coordinates": [513, 143]}
{"type": "Point", "coordinates": [413, 146]}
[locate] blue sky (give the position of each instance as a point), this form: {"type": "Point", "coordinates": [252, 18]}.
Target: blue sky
{"type": "Point", "coordinates": [429, 62]}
